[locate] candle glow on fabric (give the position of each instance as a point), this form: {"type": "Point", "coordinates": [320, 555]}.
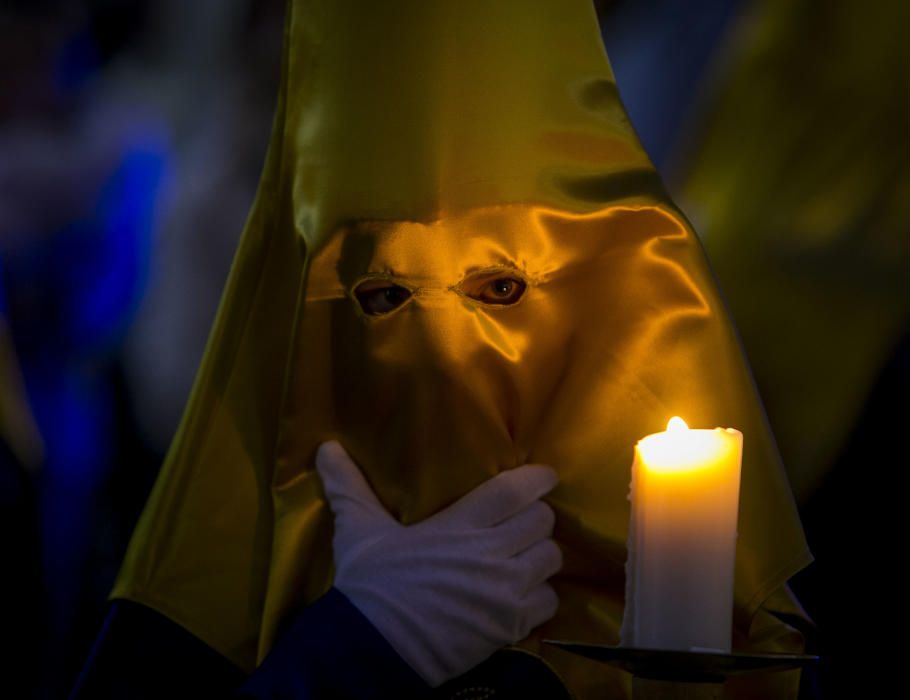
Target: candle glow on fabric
{"type": "Point", "coordinates": [682, 539]}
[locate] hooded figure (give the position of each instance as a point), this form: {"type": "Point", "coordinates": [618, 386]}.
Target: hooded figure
{"type": "Point", "coordinates": [459, 260]}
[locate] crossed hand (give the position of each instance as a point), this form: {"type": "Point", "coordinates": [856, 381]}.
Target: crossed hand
{"type": "Point", "coordinates": [449, 591]}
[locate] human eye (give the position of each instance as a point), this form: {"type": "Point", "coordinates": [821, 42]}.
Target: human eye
{"type": "Point", "coordinates": [500, 288]}
{"type": "Point", "coordinates": [378, 296]}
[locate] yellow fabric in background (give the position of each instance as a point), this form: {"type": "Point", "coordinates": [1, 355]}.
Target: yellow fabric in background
{"type": "Point", "coordinates": [799, 183]}
{"type": "Point", "coordinates": [17, 427]}
{"type": "Point", "coordinates": [423, 143]}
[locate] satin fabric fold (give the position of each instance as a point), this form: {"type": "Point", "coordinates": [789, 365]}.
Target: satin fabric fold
{"type": "Point", "coordinates": [423, 143]}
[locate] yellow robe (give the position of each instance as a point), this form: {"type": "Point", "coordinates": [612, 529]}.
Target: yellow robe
{"type": "Point", "coordinates": [821, 264]}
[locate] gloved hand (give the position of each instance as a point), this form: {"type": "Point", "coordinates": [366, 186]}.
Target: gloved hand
{"type": "Point", "coordinates": [449, 591]}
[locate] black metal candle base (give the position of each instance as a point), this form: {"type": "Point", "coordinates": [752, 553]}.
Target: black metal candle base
{"type": "Point", "coordinates": [684, 666]}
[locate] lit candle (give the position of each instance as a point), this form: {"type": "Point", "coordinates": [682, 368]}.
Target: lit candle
{"type": "Point", "coordinates": [682, 539]}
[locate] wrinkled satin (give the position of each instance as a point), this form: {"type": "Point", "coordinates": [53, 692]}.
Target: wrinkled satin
{"type": "Point", "coordinates": [414, 142]}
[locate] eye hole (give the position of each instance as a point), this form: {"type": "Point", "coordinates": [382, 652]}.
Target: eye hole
{"type": "Point", "coordinates": [378, 297]}
{"type": "Point", "coordinates": [501, 288]}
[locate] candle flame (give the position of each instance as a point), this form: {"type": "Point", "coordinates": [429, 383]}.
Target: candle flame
{"type": "Point", "coordinates": [676, 424]}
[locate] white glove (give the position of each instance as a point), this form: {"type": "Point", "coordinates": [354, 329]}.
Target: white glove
{"type": "Point", "coordinates": [449, 591]}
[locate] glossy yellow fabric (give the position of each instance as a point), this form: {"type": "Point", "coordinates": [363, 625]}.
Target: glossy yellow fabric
{"type": "Point", "coordinates": [822, 264]}
{"type": "Point", "coordinates": [421, 142]}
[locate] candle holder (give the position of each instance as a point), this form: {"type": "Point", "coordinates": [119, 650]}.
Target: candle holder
{"type": "Point", "coordinates": [659, 673]}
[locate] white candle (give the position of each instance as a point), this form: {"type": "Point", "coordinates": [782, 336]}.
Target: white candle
{"type": "Point", "coordinates": [682, 539]}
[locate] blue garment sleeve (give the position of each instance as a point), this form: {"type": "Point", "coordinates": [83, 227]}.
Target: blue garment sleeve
{"type": "Point", "coordinates": [330, 650]}
{"type": "Point", "coordinates": [326, 651]}
{"type": "Point", "coordinates": [141, 654]}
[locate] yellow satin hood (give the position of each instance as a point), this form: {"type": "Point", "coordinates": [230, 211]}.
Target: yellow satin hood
{"type": "Point", "coordinates": [424, 144]}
